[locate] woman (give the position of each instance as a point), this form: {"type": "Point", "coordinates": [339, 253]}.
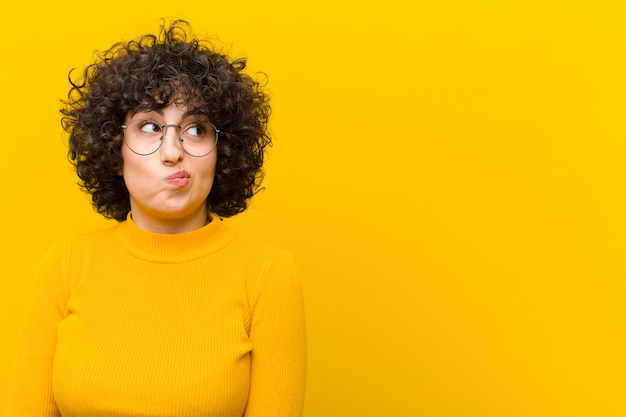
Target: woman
{"type": "Point", "coordinates": [169, 312]}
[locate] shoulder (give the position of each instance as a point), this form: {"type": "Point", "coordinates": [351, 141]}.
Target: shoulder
{"type": "Point", "coordinates": [61, 255]}
{"type": "Point", "coordinates": [275, 272]}
{"type": "Point", "coordinates": [260, 255]}
{"type": "Point", "coordinates": [69, 241]}
{"type": "Point", "coordinates": [264, 265]}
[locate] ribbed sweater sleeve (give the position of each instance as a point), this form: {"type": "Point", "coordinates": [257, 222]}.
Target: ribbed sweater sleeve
{"type": "Point", "coordinates": [31, 393]}
{"type": "Point", "coordinates": [278, 336]}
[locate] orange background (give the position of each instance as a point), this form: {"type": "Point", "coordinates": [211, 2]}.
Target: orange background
{"type": "Point", "coordinates": [450, 176]}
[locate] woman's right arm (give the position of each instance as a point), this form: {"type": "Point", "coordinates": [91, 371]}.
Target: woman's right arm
{"type": "Point", "coordinates": [31, 385]}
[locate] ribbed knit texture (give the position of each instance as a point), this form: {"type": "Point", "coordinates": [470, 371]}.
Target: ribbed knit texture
{"type": "Point", "coordinates": [125, 322]}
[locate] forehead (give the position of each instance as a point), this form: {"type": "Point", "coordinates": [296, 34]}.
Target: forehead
{"type": "Point", "coordinates": [183, 96]}
{"type": "Point", "coordinates": [185, 108]}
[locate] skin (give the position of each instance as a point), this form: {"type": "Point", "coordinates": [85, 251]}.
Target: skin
{"type": "Point", "coordinates": [156, 204]}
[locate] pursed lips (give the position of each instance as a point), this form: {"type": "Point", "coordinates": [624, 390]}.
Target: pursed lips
{"type": "Point", "coordinates": [179, 179]}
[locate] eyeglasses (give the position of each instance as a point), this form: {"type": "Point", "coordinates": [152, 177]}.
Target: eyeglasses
{"type": "Point", "coordinates": [144, 136]}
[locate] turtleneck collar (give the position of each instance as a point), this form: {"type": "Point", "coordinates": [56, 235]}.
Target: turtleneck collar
{"type": "Point", "coordinates": [173, 248]}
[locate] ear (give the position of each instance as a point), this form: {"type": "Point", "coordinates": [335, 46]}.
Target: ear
{"type": "Point", "coordinates": [120, 171]}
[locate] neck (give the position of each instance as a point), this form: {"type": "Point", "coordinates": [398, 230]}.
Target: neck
{"type": "Point", "coordinates": [171, 225]}
{"type": "Point", "coordinates": [172, 248]}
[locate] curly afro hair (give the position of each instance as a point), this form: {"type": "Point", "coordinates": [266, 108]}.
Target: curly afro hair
{"type": "Point", "coordinates": [149, 73]}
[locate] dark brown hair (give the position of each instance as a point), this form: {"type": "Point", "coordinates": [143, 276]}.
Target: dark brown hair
{"type": "Point", "coordinates": [148, 73]}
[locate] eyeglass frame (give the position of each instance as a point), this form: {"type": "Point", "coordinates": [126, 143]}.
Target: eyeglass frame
{"type": "Point", "coordinates": [180, 138]}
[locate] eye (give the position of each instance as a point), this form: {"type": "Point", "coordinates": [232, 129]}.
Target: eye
{"type": "Point", "coordinates": [195, 129]}
{"type": "Point", "coordinates": [149, 126]}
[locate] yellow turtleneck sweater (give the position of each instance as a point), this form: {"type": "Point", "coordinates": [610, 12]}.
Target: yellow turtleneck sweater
{"type": "Point", "coordinates": [125, 322]}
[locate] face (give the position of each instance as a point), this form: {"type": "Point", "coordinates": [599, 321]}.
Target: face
{"type": "Point", "coordinates": [168, 189]}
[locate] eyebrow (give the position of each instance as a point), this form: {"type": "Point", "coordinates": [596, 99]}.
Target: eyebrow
{"type": "Point", "coordinates": [160, 112]}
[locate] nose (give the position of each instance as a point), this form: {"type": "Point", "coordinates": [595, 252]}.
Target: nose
{"type": "Point", "coordinates": [171, 150]}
